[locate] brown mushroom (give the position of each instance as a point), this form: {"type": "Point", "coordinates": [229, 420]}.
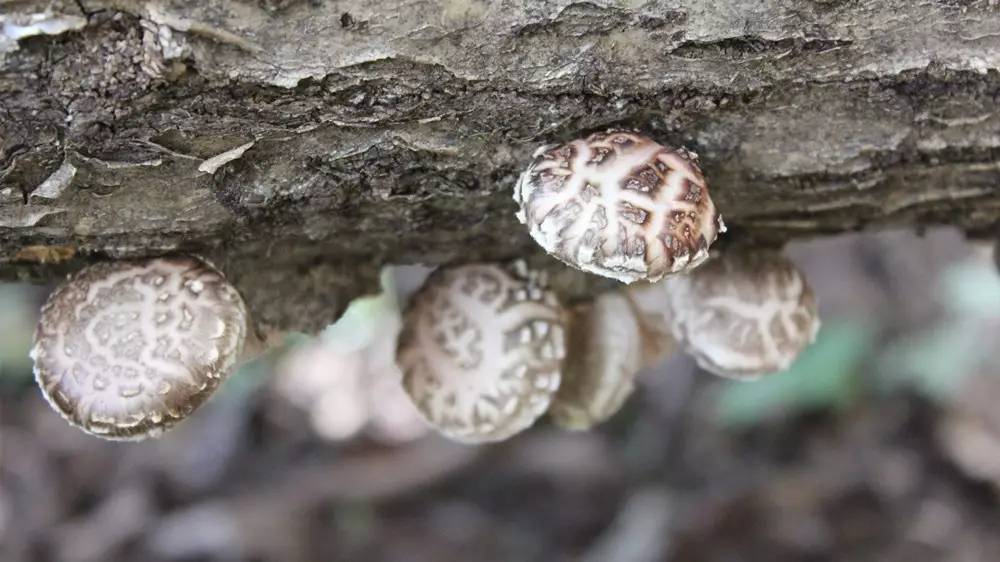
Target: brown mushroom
{"type": "Point", "coordinates": [481, 351]}
{"type": "Point", "coordinates": [604, 354]}
{"type": "Point", "coordinates": [620, 205]}
{"type": "Point", "coordinates": [743, 315]}
{"type": "Point", "coordinates": [124, 350]}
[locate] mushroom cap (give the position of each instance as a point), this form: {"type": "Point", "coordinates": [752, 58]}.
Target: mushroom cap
{"type": "Point", "coordinates": [604, 356]}
{"type": "Point", "coordinates": [124, 350]}
{"type": "Point", "coordinates": [481, 351]}
{"type": "Point", "coordinates": [743, 315]}
{"type": "Point", "coordinates": [619, 205]}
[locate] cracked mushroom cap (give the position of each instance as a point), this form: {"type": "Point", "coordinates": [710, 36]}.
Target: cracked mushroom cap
{"type": "Point", "coordinates": [124, 350]}
{"type": "Point", "coordinates": [619, 205]}
{"type": "Point", "coordinates": [481, 351]}
{"type": "Point", "coordinates": [744, 315]}
{"type": "Point", "coordinates": [604, 356]}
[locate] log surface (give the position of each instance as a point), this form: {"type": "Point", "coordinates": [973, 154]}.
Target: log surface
{"type": "Point", "coordinates": [300, 145]}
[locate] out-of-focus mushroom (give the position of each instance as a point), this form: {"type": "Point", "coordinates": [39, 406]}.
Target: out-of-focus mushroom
{"type": "Point", "coordinates": [743, 315]}
{"type": "Point", "coordinates": [327, 382]}
{"type": "Point", "coordinates": [651, 305]}
{"type": "Point", "coordinates": [620, 205]}
{"type": "Point", "coordinates": [481, 351]}
{"type": "Point", "coordinates": [124, 350]}
{"type": "Point", "coordinates": [348, 378]}
{"type": "Point", "coordinates": [604, 354]}
{"type": "Point", "coordinates": [969, 430]}
{"type": "Point", "coordinates": [394, 418]}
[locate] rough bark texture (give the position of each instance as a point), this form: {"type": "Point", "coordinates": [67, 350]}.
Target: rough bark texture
{"type": "Point", "coordinates": [355, 133]}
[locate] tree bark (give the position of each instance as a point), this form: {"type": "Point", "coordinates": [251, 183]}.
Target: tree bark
{"type": "Point", "coordinates": [300, 145]}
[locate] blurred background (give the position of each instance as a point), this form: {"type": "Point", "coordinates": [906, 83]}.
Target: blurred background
{"type": "Point", "coordinates": [882, 443]}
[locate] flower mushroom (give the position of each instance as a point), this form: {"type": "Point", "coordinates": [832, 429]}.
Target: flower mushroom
{"type": "Point", "coordinates": [743, 315]}
{"type": "Point", "coordinates": [620, 205]}
{"type": "Point", "coordinates": [481, 351]}
{"type": "Point", "coordinates": [604, 355]}
{"type": "Point", "coordinates": [124, 350]}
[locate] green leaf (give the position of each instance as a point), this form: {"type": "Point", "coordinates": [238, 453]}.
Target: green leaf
{"type": "Point", "coordinates": [821, 378]}
{"type": "Point", "coordinates": [936, 360]}
{"type": "Point", "coordinates": [933, 362]}
{"type": "Point", "coordinates": [17, 326]}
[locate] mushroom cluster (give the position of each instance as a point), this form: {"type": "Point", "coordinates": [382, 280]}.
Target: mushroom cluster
{"type": "Point", "coordinates": [481, 350]}
{"type": "Point", "coordinates": [125, 350]}
{"type": "Point", "coordinates": [620, 205]}
{"type": "Point", "coordinates": [483, 356]}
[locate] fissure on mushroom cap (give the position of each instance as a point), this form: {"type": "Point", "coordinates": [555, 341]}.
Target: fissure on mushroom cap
{"type": "Point", "coordinates": [743, 315]}
{"type": "Point", "coordinates": [124, 350]}
{"type": "Point", "coordinates": [604, 356]}
{"type": "Point", "coordinates": [619, 205]}
{"type": "Point", "coordinates": [481, 351]}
